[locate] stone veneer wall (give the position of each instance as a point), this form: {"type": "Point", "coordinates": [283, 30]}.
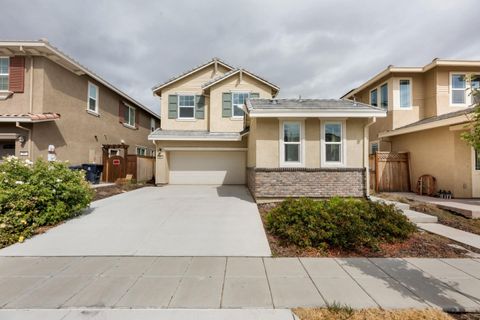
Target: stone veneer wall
{"type": "Point", "coordinates": [306, 182]}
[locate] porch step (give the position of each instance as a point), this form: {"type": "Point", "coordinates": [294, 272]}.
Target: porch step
{"type": "Point", "coordinates": [418, 217]}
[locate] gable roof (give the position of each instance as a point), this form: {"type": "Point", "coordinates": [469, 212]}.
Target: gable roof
{"type": "Point", "coordinates": [191, 71]}
{"type": "Point", "coordinates": [451, 118]}
{"type": "Point", "coordinates": [45, 49]}
{"type": "Point", "coordinates": [311, 108]}
{"type": "Point", "coordinates": [392, 69]}
{"type": "Point", "coordinates": [235, 72]}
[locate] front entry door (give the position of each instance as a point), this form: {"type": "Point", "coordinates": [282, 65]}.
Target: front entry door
{"type": "Point", "coordinates": [475, 173]}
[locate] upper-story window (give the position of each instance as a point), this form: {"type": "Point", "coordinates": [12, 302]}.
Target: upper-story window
{"type": "Point", "coordinates": [291, 143]}
{"type": "Point", "coordinates": [4, 73]}
{"type": "Point", "coordinates": [92, 98]}
{"type": "Point", "coordinates": [186, 107]}
{"type": "Point", "coordinates": [384, 96]}
{"type": "Point", "coordinates": [238, 100]}
{"type": "Point", "coordinates": [405, 86]}
{"type": "Point", "coordinates": [374, 97]}
{"type": "Point", "coordinates": [475, 84]}
{"type": "Point", "coordinates": [458, 89]}
{"type": "Point", "coordinates": [153, 125]}
{"type": "Point", "coordinates": [129, 116]}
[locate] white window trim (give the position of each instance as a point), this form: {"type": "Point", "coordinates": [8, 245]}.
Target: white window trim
{"type": "Point", "coordinates": [141, 147]}
{"type": "Point", "coordinates": [468, 89]}
{"type": "Point", "coordinates": [234, 117]}
{"type": "Point", "coordinates": [380, 95]}
{"type": "Point", "coordinates": [343, 146]}
{"type": "Point", "coordinates": [287, 164]}
{"type": "Point", "coordinates": [6, 74]}
{"type": "Point", "coordinates": [396, 93]}
{"type": "Point", "coordinates": [178, 107]}
{"type": "Point", "coordinates": [370, 96]}
{"type": "Point", "coordinates": [96, 99]}
{"type": "Point", "coordinates": [127, 124]}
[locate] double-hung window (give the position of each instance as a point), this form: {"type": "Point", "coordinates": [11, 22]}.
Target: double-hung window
{"type": "Point", "coordinates": [129, 116]}
{"type": "Point", "coordinates": [141, 151]}
{"type": "Point", "coordinates": [374, 97]}
{"type": "Point", "coordinates": [92, 98]}
{"type": "Point", "coordinates": [291, 153]}
{"type": "Point", "coordinates": [4, 73]}
{"type": "Point", "coordinates": [405, 93]}
{"type": "Point", "coordinates": [475, 84]}
{"type": "Point", "coordinates": [458, 89]}
{"type": "Point", "coordinates": [238, 100]}
{"type": "Point", "coordinates": [384, 96]}
{"type": "Point", "coordinates": [186, 107]}
{"type": "Point", "coordinates": [333, 143]}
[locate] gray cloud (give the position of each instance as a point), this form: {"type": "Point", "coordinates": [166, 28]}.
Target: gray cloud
{"type": "Point", "coordinates": [308, 48]}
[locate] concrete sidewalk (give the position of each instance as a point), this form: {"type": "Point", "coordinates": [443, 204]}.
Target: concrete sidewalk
{"type": "Point", "coordinates": [237, 283]}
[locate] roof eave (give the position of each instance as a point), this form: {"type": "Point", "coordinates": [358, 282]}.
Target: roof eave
{"type": "Point", "coordinates": [271, 85]}
{"type": "Point", "coordinates": [425, 126]}
{"type": "Point", "coordinates": [315, 114]}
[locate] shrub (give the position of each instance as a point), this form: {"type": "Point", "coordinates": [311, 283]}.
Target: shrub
{"type": "Point", "coordinates": [40, 194]}
{"type": "Point", "coordinates": [340, 223]}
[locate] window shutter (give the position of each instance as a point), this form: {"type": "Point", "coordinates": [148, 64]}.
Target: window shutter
{"type": "Point", "coordinates": [137, 118]}
{"type": "Point", "coordinates": [17, 74]}
{"type": "Point", "coordinates": [172, 106]}
{"type": "Point", "coordinates": [199, 107]}
{"type": "Point", "coordinates": [254, 95]}
{"type": "Point", "coordinates": [226, 105]}
{"type": "Point", "coordinates": [121, 112]}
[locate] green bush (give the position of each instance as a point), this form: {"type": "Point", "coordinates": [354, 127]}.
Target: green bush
{"type": "Point", "coordinates": [338, 223]}
{"type": "Point", "coordinates": [39, 194]}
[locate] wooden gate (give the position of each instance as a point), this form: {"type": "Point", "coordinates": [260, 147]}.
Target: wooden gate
{"type": "Point", "coordinates": [115, 168]}
{"type": "Point", "coordinates": [132, 165]}
{"type": "Point", "coordinates": [389, 172]}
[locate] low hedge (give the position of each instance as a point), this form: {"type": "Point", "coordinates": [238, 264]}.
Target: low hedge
{"type": "Point", "coordinates": [337, 223]}
{"type": "Point", "coordinates": [38, 194]}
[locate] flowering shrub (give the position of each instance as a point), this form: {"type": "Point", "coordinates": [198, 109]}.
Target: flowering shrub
{"type": "Point", "coordinates": [38, 194]}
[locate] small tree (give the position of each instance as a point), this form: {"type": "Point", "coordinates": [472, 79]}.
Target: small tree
{"type": "Point", "coordinates": [472, 137]}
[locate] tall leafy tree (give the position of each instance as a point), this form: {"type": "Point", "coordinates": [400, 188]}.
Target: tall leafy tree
{"type": "Point", "coordinates": [472, 136]}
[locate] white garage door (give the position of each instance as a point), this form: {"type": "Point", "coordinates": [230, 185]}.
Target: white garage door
{"type": "Point", "coordinates": [207, 167]}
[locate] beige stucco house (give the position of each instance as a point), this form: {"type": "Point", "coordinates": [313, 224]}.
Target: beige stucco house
{"type": "Point", "coordinates": [50, 104]}
{"type": "Point", "coordinates": [427, 110]}
{"type": "Point", "coordinates": [223, 125]}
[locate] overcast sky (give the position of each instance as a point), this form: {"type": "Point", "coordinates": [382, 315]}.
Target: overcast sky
{"type": "Point", "coordinates": [312, 48]}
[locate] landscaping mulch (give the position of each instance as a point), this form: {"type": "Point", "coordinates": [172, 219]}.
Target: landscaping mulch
{"type": "Point", "coordinates": [343, 313]}
{"type": "Point", "coordinates": [465, 316]}
{"type": "Point", "coordinates": [445, 217]}
{"type": "Point", "coordinates": [108, 191]}
{"type": "Point", "coordinates": [420, 244]}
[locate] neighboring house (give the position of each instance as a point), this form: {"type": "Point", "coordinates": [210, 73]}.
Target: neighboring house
{"type": "Point", "coordinates": [50, 104]}
{"type": "Point", "coordinates": [223, 125]}
{"type": "Point", "coordinates": [427, 110]}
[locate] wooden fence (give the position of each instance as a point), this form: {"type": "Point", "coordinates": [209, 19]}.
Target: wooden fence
{"type": "Point", "coordinates": [142, 168]}
{"type": "Point", "coordinates": [389, 172]}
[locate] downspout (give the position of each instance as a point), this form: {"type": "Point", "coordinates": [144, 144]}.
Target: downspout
{"type": "Point", "coordinates": [17, 124]}
{"type": "Point", "coordinates": [366, 162]}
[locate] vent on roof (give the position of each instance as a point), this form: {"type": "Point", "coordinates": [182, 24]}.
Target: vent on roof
{"type": "Point", "coordinates": [274, 101]}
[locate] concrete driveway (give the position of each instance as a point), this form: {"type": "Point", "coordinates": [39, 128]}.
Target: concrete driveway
{"type": "Point", "coordinates": [159, 221]}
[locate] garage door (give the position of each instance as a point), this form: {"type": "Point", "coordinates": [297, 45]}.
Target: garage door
{"type": "Point", "coordinates": [207, 167]}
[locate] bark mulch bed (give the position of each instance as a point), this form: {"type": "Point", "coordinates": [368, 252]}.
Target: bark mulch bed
{"type": "Point", "coordinates": [108, 191]}
{"type": "Point", "coordinates": [421, 244]}
{"type": "Point", "coordinates": [465, 316]}
{"type": "Point", "coordinates": [445, 217]}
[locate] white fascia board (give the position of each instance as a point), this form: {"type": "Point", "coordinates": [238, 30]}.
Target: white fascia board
{"type": "Point", "coordinates": [316, 114]}
{"type": "Point", "coordinates": [426, 126]}
{"type": "Point", "coordinates": [177, 138]}
{"type": "Point", "coordinates": [202, 149]}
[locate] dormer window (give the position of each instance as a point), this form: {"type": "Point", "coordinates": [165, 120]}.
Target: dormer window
{"type": "Point", "coordinates": [4, 73]}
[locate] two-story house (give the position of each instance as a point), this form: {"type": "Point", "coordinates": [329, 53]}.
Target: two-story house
{"type": "Point", "coordinates": [52, 107]}
{"type": "Point", "coordinates": [223, 125]}
{"type": "Point", "coordinates": [428, 108]}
